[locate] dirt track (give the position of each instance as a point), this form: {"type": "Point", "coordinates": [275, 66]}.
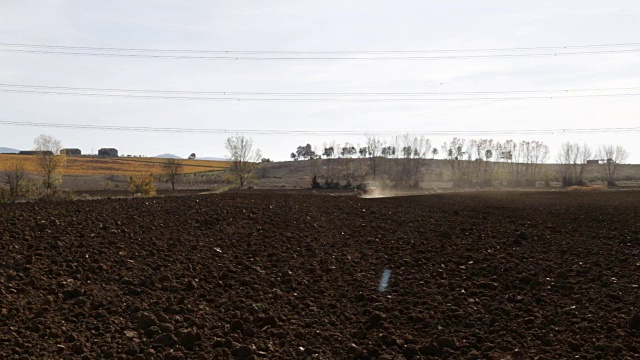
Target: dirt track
{"type": "Point", "coordinates": [285, 276]}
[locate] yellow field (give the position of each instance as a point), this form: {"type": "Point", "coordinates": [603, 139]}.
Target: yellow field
{"type": "Point", "coordinates": [82, 165]}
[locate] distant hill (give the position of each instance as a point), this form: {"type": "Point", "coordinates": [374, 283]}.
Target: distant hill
{"type": "Point", "coordinates": [5, 150]}
{"type": "Point", "coordinates": [168, 156]}
{"type": "Point", "coordinates": [172, 156]}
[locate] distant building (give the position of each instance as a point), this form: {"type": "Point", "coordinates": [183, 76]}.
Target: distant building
{"type": "Point", "coordinates": [34, 152]}
{"type": "Point", "coordinates": [71, 152]}
{"type": "Point", "coordinates": [108, 152]}
{"type": "Point", "coordinates": [594, 162]}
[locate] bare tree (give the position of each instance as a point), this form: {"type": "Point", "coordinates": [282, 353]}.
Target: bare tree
{"type": "Point", "coordinates": [314, 165]}
{"type": "Point", "coordinates": [395, 153]}
{"type": "Point", "coordinates": [416, 149]}
{"type": "Point", "coordinates": [612, 156]}
{"type": "Point", "coordinates": [455, 154]}
{"type": "Point", "coordinates": [361, 165]}
{"type": "Point", "coordinates": [16, 180]}
{"type": "Point", "coordinates": [503, 156]}
{"type": "Point", "coordinates": [537, 154]}
{"type": "Point", "coordinates": [331, 164]}
{"type": "Point", "coordinates": [49, 160]}
{"type": "Point", "coordinates": [584, 155]}
{"type": "Point", "coordinates": [530, 155]}
{"type": "Point", "coordinates": [481, 152]}
{"type": "Point", "coordinates": [307, 152]}
{"type": "Point", "coordinates": [172, 168]}
{"type": "Point", "coordinates": [243, 157]}
{"type": "Point", "coordinates": [565, 159]}
{"type": "Point", "coordinates": [374, 149]}
{"type": "Point", "coordinates": [483, 161]}
{"type": "Point", "coordinates": [572, 159]}
{"type": "Point", "coordinates": [347, 152]}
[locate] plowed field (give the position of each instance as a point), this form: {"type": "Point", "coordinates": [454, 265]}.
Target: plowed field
{"type": "Point", "coordinates": [549, 275]}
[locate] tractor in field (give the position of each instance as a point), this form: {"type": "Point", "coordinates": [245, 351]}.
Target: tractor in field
{"type": "Point", "coordinates": [365, 188]}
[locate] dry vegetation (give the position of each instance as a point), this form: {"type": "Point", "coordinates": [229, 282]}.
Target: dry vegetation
{"type": "Point", "coordinates": [587, 188]}
{"type": "Point", "coordinates": [86, 165]}
{"type": "Point", "coordinates": [432, 173]}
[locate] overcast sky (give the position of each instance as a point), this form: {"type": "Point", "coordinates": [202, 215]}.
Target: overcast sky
{"type": "Point", "coordinates": [318, 26]}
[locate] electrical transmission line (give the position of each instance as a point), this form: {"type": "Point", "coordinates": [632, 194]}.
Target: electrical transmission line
{"type": "Point", "coordinates": [209, 131]}
{"type": "Point", "coordinates": [561, 91]}
{"type": "Point", "coordinates": [369, 97]}
{"type": "Point", "coordinates": [89, 48]}
{"type": "Point", "coordinates": [193, 54]}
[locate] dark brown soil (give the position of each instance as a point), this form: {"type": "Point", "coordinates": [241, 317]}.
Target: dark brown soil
{"type": "Point", "coordinates": [95, 194]}
{"type": "Point", "coordinates": [550, 275]}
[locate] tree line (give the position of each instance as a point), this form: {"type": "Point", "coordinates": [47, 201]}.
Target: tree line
{"type": "Point", "coordinates": [50, 162]}
{"type": "Point", "coordinates": [403, 162]}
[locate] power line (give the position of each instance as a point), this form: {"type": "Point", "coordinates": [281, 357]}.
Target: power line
{"type": "Point", "coordinates": [316, 58]}
{"type": "Point", "coordinates": [90, 48]}
{"type": "Point", "coordinates": [272, 99]}
{"type": "Point", "coordinates": [128, 96]}
{"type": "Point", "coordinates": [225, 93]}
{"type": "Point", "coordinates": [204, 131]}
